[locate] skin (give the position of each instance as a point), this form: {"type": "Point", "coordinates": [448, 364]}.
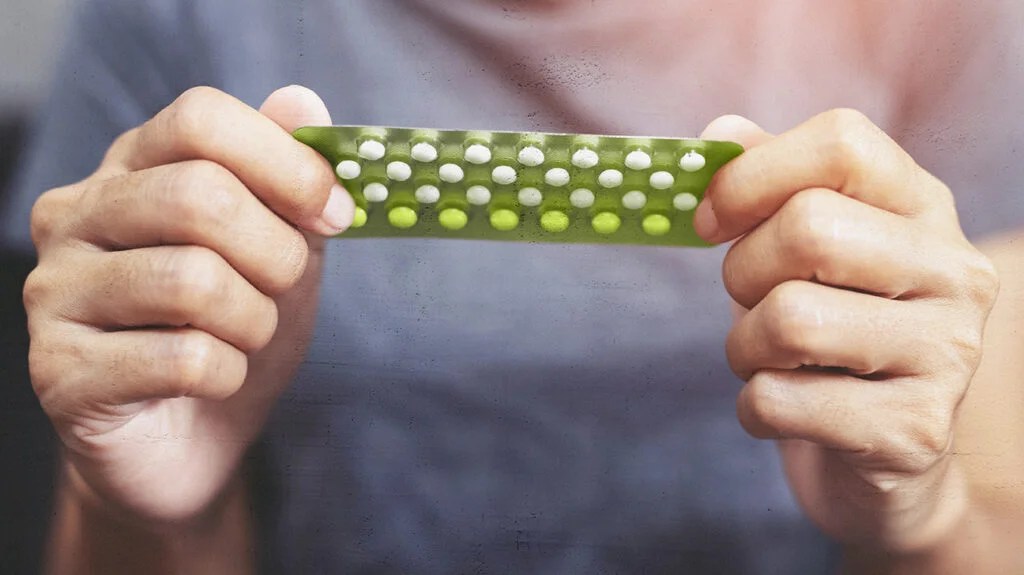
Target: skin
{"type": "Point", "coordinates": [859, 330]}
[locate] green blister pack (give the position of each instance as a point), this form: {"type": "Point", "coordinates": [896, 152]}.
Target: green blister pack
{"type": "Point", "coordinates": [520, 186]}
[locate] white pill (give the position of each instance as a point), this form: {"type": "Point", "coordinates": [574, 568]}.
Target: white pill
{"type": "Point", "coordinates": [478, 195]}
{"type": "Point", "coordinates": [692, 162]}
{"type": "Point", "coordinates": [371, 150]}
{"type": "Point", "coordinates": [530, 197]}
{"type": "Point", "coordinates": [399, 171]}
{"type": "Point", "coordinates": [428, 194]}
{"type": "Point", "coordinates": [638, 160]}
{"type": "Point", "coordinates": [684, 202]}
{"type": "Point", "coordinates": [634, 200]}
{"type": "Point", "coordinates": [375, 192]}
{"type": "Point", "coordinates": [424, 152]}
{"type": "Point", "coordinates": [610, 179]}
{"type": "Point", "coordinates": [478, 154]}
{"type": "Point", "coordinates": [581, 198]}
{"type": "Point", "coordinates": [585, 158]}
{"type": "Point", "coordinates": [556, 177]}
{"type": "Point", "coordinates": [451, 173]}
{"type": "Point", "coordinates": [662, 180]}
{"type": "Point", "coordinates": [531, 156]}
{"type": "Point", "coordinates": [348, 170]}
{"type": "Point", "coordinates": [503, 175]}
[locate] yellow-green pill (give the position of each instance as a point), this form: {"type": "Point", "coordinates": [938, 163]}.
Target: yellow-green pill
{"type": "Point", "coordinates": [606, 223]}
{"type": "Point", "coordinates": [359, 218]}
{"type": "Point", "coordinates": [504, 220]}
{"type": "Point", "coordinates": [554, 221]}
{"type": "Point", "coordinates": [402, 217]}
{"type": "Point", "coordinates": [452, 219]}
{"type": "Point", "coordinates": [656, 225]}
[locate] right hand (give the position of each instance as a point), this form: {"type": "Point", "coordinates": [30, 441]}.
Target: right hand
{"type": "Point", "coordinates": [156, 348]}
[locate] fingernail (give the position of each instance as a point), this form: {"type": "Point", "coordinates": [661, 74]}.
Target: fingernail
{"type": "Point", "coordinates": [704, 220]}
{"type": "Point", "coordinates": [337, 214]}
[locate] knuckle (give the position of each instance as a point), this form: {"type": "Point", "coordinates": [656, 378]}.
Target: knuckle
{"type": "Point", "coordinates": [760, 398]}
{"type": "Point", "coordinates": [192, 279]}
{"type": "Point", "coordinates": [35, 290]}
{"type": "Point", "coordinates": [48, 215]}
{"type": "Point", "coordinates": [849, 140]}
{"type": "Point", "coordinates": [790, 323]}
{"type": "Point", "coordinates": [202, 194]}
{"type": "Point", "coordinates": [981, 279]}
{"type": "Point", "coordinates": [190, 113]}
{"type": "Point", "coordinates": [192, 360]}
{"type": "Point", "coordinates": [807, 227]}
{"type": "Point", "coordinates": [929, 438]}
{"type": "Point", "coordinates": [964, 349]}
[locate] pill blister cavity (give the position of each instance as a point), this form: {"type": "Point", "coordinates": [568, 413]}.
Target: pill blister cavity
{"type": "Point", "coordinates": [371, 150]}
{"type": "Point", "coordinates": [348, 170]}
{"type": "Point", "coordinates": [656, 225]}
{"type": "Point", "coordinates": [359, 218]}
{"type": "Point", "coordinates": [424, 152]}
{"type": "Point", "coordinates": [503, 175]}
{"type": "Point", "coordinates": [428, 194]}
{"type": "Point", "coordinates": [610, 179]}
{"type": "Point", "coordinates": [692, 161]}
{"type": "Point", "coordinates": [478, 195]}
{"type": "Point", "coordinates": [638, 160]}
{"type": "Point", "coordinates": [684, 202]}
{"type": "Point", "coordinates": [662, 180]}
{"type": "Point", "coordinates": [375, 192]}
{"type": "Point", "coordinates": [554, 221]}
{"type": "Point", "coordinates": [581, 198]}
{"type": "Point", "coordinates": [478, 154]}
{"type": "Point", "coordinates": [504, 220]}
{"type": "Point", "coordinates": [634, 200]}
{"type": "Point", "coordinates": [531, 156]}
{"type": "Point", "coordinates": [556, 177]}
{"type": "Point", "coordinates": [530, 197]}
{"type": "Point", "coordinates": [399, 171]}
{"type": "Point", "coordinates": [585, 158]}
{"type": "Point", "coordinates": [452, 219]}
{"type": "Point", "coordinates": [606, 223]}
{"type": "Point", "coordinates": [451, 173]}
{"type": "Point", "coordinates": [402, 217]}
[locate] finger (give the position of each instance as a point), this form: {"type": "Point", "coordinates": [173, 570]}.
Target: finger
{"type": "Point", "coordinates": [126, 367]}
{"type": "Point", "coordinates": [903, 427]}
{"type": "Point", "coordinates": [206, 124]}
{"type": "Point", "coordinates": [168, 286]}
{"type": "Point", "coordinates": [823, 236]}
{"type": "Point", "coordinates": [730, 128]}
{"type": "Point", "coordinates": [806, 324]}
{"type": "Point", "coordinates": [839, 150]}
{"type": "Point", "coordinates": [193, 203]}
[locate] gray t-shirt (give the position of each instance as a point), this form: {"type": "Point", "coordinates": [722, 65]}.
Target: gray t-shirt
{"type": "Point", "coordinates": [491, 407]}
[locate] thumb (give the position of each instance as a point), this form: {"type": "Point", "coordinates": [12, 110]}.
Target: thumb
{"type": "Point", "coordinates": [729, 128]}
{"type": "Point", "coordinates": [736, 129]}
{"type": "Point", "coordinates": [293, 107]}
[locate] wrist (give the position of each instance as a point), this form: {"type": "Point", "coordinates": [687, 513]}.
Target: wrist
{"type": "Point", "coordinates": [91, 535]}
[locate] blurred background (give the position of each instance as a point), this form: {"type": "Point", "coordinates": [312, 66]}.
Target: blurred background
{"type": "Point", "coordinates": [30, 37]}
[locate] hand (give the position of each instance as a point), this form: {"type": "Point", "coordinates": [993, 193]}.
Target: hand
{"type": "Point", "coordinates": [153, 313]}
{"type": "Point", "coordinates": [863, 308]}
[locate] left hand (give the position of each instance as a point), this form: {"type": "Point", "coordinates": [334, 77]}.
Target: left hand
{"type": "Point", "coordinates": [861, 328]}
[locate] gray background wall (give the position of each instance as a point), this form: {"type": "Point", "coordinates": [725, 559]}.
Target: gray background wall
{"type": "Point", "coordinates": [30, 34]}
